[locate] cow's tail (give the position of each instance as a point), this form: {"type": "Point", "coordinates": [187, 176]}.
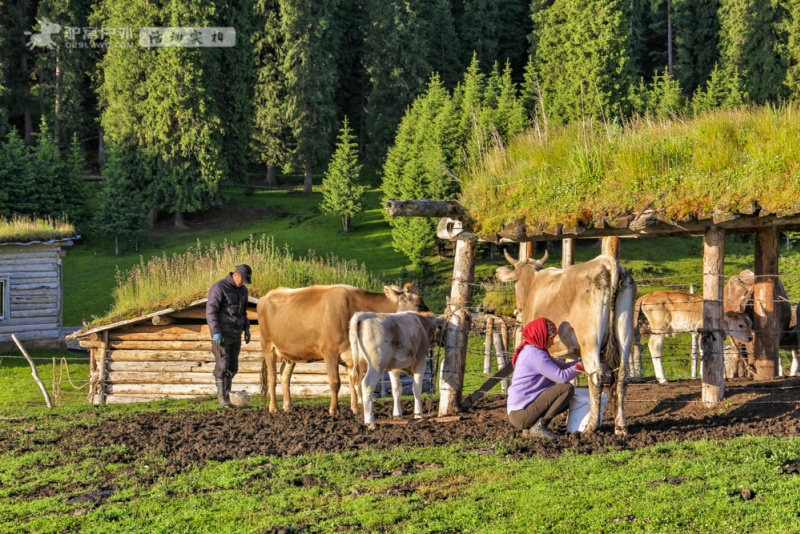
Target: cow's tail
{"type": "Point", "coordinates": [612, 346]}
{"type": "Point", "coordinates": [356, 349]}
{"type": "Point", "coordinates": [262, 327]}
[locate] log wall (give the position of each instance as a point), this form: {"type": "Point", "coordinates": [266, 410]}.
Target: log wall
{"type": "Point", "coordinates": [32, 303]}
{"type": "Point", "coordinates": [144, 362]}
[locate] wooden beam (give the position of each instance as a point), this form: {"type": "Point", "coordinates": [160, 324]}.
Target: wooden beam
{"type": "Point", "coordinates": [713, 332]}
{"type": "Point", "coordinates": [765, 320]}
{"type": "Point", "coordinates": [610, 246]}
{"type": "Point", "coordinates": [424, 208]}
{"type": "Point", "coordinates": [567, 253]}
{"type": "Point", "coordinates": [451, 383]}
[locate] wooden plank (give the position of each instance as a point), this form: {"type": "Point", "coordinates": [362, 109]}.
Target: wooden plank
{"type": "Point", "coordinates": [48, 326]}
{"type": "Point", "coordinates": [298, 390]}
{"type": "Point", "coordinates": [713, 336]}
{"type": "Point", "coordinates": [101, 366]}
{"type": "Point", "coordinates": [45, 313]}
{"type": "Point", "coordinates": [491, 382]}
{"type": "Point", "coordinates": [765, 324]}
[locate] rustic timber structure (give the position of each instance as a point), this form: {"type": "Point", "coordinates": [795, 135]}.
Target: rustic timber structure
{"type": "Point", "coordinates": [647, 223]}
{"type": "Point", "coordinates": [31, 293]}
{"type": "Point", "coordinates": [167, 355]}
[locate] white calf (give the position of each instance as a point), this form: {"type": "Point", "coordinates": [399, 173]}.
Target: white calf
{"type": "Point", "coordinates": [394, 342]}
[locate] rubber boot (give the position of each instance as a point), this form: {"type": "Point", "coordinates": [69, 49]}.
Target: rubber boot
{"type": "Point", "coordinates": [222, 395]}
{"type": "Point", "coordinates": [540, 430]}
{"type": "Point", "coordinates": [228, 379]}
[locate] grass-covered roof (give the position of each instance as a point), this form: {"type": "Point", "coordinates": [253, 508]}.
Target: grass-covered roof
{"type": "Point", "coordinates": [20, 229]}
{"type": "Point", "coordinates": [730, 161]}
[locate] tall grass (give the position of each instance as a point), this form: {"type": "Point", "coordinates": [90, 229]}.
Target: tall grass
{"type": "Point", "coordinates": [23, 229]}
{"type": "Point", "coordinates": [178, 279]}
{"type": "Point", "coordinates": [687, 168]}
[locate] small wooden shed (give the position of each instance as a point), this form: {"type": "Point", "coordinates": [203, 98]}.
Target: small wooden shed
{"type": "Point", "coordinates": [167, 355]}
{"type": "Point", "coordinates": [31, 293]}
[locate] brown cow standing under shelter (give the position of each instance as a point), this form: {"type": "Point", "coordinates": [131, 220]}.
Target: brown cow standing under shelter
{"type": "Point", "coordinates": [592, 305]}
{"type": "Point", "coordinates": [311, 324]}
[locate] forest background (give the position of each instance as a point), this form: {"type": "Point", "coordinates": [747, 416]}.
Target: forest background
{"type": "Point", "coordinates": [416, 90]}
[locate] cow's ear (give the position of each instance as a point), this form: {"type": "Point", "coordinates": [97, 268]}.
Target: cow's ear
{"type": "Point", "coordinates": [504, 274]}
{"type": "Point", "coordinates": [408, 287]}
{"type": "Point", "coordinates": [392, 292]}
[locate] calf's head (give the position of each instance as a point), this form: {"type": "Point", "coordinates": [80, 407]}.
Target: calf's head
{"type": "Point", "coordinates": [406, 299]}
{"type": "Point", "coordinates": [739, 326]}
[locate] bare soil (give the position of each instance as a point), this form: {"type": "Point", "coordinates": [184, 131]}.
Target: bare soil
{"type": "Point", "coordinates": [656, 413]}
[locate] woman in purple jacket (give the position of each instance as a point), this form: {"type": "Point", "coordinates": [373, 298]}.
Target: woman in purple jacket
{"type": "Point", "coordinates": [540, 388]}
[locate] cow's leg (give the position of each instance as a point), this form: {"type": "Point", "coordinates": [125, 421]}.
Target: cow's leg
{"type": "Point", "coordinates": [656, 344]}
{"type": "Point", "coordinates": [332, 367]}
{"type": "Point", "coordinates": [397, 390]}
{"type": "Point", "coordinates": [272, 380]}
{"type": "Point", "coordinates": [368, 384]}
{"type": "Point", "coordinates": [286, 380]}
{"type": "Point", "coordinates": [419, 374]}
{"type": "Point", "coordinates": [595, 380]}
{"type": "Point", "coordinates": [795, 362]}
{"type": "Point", "coordinates": [636, 360]}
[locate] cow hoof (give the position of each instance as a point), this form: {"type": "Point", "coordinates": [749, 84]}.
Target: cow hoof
{"type": "Point", "coordinates": [397, 417]}
{"type": "Point", "coordinates": [417, 416]}
{"type": "Point", "coordinates": [372, 426]}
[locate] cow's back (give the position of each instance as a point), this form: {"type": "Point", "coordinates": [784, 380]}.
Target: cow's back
{"type": "Point", "coordinates": [670, 312]}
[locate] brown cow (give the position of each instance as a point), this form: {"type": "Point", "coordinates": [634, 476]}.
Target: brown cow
{"type": "Point", "coordinates": [311, 324]}
{"type": "Point", "coordinates": [592, 305]}
{"type": "Point", "coordinates": [738, 296]}
{"type": "Point", "coordinates": [673, 312]}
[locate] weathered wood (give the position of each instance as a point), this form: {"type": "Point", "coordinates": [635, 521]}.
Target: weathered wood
{"type": "Point", "coordinates": [487, 386]}
{"type": "Point", "coordinates": [173, 356]}
{"type": "Point", "coordinates": [156, 390]}
{"type": "Point", "coordinates": [101, 369]}
{"type": "Point", "coordinates": [452, 375]}
{"type": "Point", "coordinates": [526, 249]}
{"type": "Point", "coordinates": [161, 320]}
{"type": "Point", "coordinates": [199, 312]}
{"type": "Point", "coordinates": [164, 345]}
{"type": "Point", "coordinates": [166, 378]}
{"type": "Point", "coordinates": [423, 208]}
{"type": "Point", "coordinates": [765, 321]}
{"type": "Point", "coordinates": [448, 228]}
{"type": "Point", "coordinates": [713, 335]}
{"type": "Point", "coordinates": [48, 314]}
{"type": "Point", "coordinates": [33, 371]}
{"type": "Point", "coordinates": [487, 347]}
{"type": "Point", "coordinates": [610, 246]}
{"type": "Point", "coordinates": [501, 357]}
{"type": "Point", "coordinates": [567, 253]}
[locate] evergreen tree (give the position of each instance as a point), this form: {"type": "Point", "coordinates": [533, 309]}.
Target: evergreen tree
{"type": "Point", "coordinates": [441, 38]}
{"type": "Point", "coordinates": [351, 93]}
{"type": "Point", "coordinates": [309, 68]}
{"type": "Point", "coordinates": [63, 82]}
{"type": "Point", "coordinates": [416, 166]}
{"type": "Point", "coordinates": [75, 190]}
{"type": "Point", "coordinates": [581, 55]}
{"type": "Point", "coordinates": [723, 90]}
{"type": "Point", "coordinates": [791, 49]}
{"type": "Point", "coordinates": [531, 92]}
{"type": "Point", "coordinates": [16, 18]}
{"type": "Point", "coordinates": [479, 28]}
{"type": "Point", "coordinates": [509, 114]}
{"type": "Point", "coordinates": [122, 211]}
{"type": "Point", "coordinates": [341, 193]}
{"type": "Point", "coordinates": [270, 135]}
{"type": "Point", "coordinates": [696, 42]}
{"type": "Point", "coordinates": [49, 174]}
{"type": "Point", "coordinates": [514, 27]}
{"type": "Point", "coordinates": [17, 184]}
{"type": "Point", "coordinates": [749, 45]}
{"type": "Point", "coordinates": [395, 60]}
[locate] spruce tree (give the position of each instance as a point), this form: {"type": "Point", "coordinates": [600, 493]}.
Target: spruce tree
{"type": "Point", "coordinates": [309, 68]}
{"type": "Point", "coordinates": [582, 57]}
{"type": "Point", "coordinates": [270, 134]}
{"type": "Point", "coordinates": [696, 42]}
{"type": "Point", "coordinates": [122, 211]}
{"type": "Point", "coordinates": [49, 176]}
{"type": "Point", "coordinates": [75, 191]}
{"type": "Point", "coordinates": [509, 114]}
{"type": "Point", "coordinates": [341, 194]}
{"type": "Point", "coordinates": [395, 61]}
{"type": "Point", "coordinates": [441, 40]}
{"type": "Point", "coordinates": [723, 90]}
{"type": "Point", "coordinates": [17, 186]}
{"type": "Point", "coordinates": [749, 45]}
{"type": "Point", "coordinates": [479, 29]}
{"type": "Point", "coordinates": [416, 166]}
{"type": "Point", "coordinates": [791, 49]}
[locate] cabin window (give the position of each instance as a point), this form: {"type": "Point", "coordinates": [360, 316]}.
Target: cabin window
{"type": "Point", "coordinates": [4, 300]}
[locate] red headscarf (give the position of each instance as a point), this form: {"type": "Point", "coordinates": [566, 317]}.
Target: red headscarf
{"type": "Point", "coordinates": [536, 333]}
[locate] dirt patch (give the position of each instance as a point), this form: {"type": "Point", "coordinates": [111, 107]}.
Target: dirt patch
{"type": "Point", "coordinates": [656, 413]}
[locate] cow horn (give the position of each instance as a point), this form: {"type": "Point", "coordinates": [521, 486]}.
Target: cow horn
{"type": "Point", "coordinates": [511, 260]}
{"type": "Point", "coordinates": [541, 261]}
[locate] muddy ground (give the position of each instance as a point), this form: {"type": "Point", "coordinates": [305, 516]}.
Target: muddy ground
{"type": "Point", "coordinates": [656, 413]}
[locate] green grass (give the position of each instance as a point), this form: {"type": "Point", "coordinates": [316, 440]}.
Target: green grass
{"type": "Point", "coordinates": [686, 168]}
{"type": "Point", "coordinates": [473, 487]}
{"type": "Point", "coordinates": [24, 229]}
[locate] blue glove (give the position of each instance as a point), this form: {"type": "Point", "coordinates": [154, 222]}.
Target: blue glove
{"type": "Point", "coordinates": [247, 336]}
{"type": "Point", "coordinates": [216, 339]}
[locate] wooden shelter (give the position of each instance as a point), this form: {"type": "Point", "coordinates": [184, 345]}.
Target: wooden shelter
{"type": "Point", "coordinates": [31, 293]}
{"type": "Point", "coordinates": [647, 223]}
{"type": "Point", "coordinates": [167, 355]}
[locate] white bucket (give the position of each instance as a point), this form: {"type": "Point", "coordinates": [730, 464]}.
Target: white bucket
{"type": "Point", "coordinates": [579, 410]}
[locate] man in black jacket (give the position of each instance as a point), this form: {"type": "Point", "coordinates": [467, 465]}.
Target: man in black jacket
{"type": "Point", "coordinates": [226, 313]}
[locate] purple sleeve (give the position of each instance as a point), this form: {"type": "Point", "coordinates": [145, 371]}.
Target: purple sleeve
{"type": "Point", "coordinates": [550, 368]}
{"type": "Point", "coordinates": [564, 364]}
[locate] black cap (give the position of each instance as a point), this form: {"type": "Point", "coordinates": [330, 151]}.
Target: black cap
{"type": "Point", "coordinates": [245, 272]}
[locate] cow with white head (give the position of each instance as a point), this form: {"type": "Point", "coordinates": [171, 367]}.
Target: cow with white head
{"type": "Point", "coordinates": [592, 305]}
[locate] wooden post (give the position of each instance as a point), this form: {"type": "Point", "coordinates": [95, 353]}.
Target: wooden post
{"type": "Point", "coordinates": [33, 371]}
{"type": "Point", "coordinates": [101, 362]}
{"type": "Point", "coordinates": [567, 252]}
{"type": "Point", "coordinates": [500, 352]}
{"type": "Point", "coordinates": [526, 249]}
{"type": "Point", "coordinates": [487, 347]}
{"type": "Point", "coordinates": [451, 381]}
{"type": "Point", "coordinates": [765, 321]}
{"type": "Point", "coordinates": [610, 246]}
{"type": "Point", "coordinates": [713, 332]}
